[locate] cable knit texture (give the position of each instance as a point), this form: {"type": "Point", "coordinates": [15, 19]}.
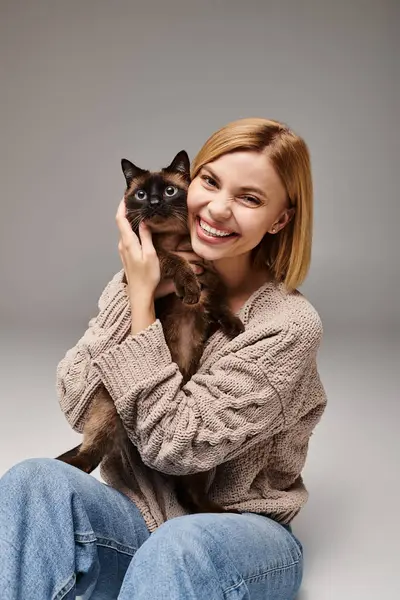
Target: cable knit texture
{"type": "Point", "coordinates": [246, 416]}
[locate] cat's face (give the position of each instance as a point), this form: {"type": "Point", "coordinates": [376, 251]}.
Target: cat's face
{"type": "Point", "coordinates": [158, 197]}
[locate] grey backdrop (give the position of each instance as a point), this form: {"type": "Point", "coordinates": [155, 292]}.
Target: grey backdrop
{"type": "Point", "coordinates": [85, 83]}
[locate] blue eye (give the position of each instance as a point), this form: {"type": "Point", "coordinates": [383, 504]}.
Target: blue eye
{"type": "Point", "coordinates": [140, 195]}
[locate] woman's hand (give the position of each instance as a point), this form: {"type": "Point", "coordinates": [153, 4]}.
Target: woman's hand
{"type": "Point", "coordinates": [142, 270]}
{"type": "Point", "coordinates": [138, 256]}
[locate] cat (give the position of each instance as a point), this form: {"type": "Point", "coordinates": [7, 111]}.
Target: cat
{"type": "Point", "coordinates": [188, 317]}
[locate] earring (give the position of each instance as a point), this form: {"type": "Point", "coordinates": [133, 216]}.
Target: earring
{"type": "Point", "coordinates": [273, 230]}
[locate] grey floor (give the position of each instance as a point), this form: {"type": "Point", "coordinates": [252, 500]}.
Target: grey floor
{"type": "Point", "coordinates": [349, 527]}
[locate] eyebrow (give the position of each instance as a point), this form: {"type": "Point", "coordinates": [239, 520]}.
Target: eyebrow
{"type": "Point", "coordinates": [242, 188]}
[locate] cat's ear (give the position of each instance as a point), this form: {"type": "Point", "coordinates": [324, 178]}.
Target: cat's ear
{"type": "Point", "coordinates": [131, 171]}
{"type": "Point", "coordinates": [180, 164]}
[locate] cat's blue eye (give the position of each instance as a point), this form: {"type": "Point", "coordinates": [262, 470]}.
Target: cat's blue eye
{"type": "Point", "coordinates": [140, 195]}
{"type": "Point", "coordinates": [170, 191]}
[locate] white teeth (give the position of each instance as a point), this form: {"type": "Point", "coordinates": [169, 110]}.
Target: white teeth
{"type": "Point", "coordinates": [212, 230]}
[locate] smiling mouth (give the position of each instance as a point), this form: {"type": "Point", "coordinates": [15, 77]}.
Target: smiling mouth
{"type": "Point", "coordinates": [212, 231]}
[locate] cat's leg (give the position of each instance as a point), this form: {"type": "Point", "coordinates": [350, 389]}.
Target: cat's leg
{"type": "Point", "coordinates": [214, 300]}
{"type": "Point", "coordinates": [230, 323]}
{"type": "Point", "coordinates": [177, 268]}
{"type": "Point", "coordinates": [191, 494]}
{"type": "Point", "coordinates": [99, 435]}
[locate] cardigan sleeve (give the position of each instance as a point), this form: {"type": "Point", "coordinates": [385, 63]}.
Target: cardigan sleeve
{"type": "Point", "coordinates": [76, 380]}
{"type": "Point", "coordinates": [244, 397]}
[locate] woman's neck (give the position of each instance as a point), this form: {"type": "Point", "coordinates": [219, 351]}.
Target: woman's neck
{"type": "Point", "coordinates": [239, 277]}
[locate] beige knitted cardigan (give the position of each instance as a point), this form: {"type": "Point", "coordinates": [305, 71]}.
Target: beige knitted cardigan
{"type": "Point", "coordinates": [246, 416]}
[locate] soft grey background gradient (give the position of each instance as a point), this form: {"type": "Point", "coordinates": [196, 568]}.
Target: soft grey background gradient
{"type": "Point", "coordinates": [85, 83]}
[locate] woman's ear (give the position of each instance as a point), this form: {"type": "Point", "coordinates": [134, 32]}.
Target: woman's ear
{"type": "Point", "coordinates": [290, 212]}
{"type": "Point", "coordinates": [283, 220]}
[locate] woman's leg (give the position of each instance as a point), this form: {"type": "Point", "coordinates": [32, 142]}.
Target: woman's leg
{"type": "Point", "coordinates": [218, 557]}
{"type": "Point", "coordinates": [63, 533]}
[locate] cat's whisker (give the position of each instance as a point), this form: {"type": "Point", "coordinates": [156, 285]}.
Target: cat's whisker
{"type": "Point", "coordinates": [182, 218]}
{"type": "Point", "coordinates": [134, 217]}
{"type": "Point", "coordinates": [179, 210]}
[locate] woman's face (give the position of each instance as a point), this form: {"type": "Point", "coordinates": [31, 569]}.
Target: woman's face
{"type": "Point", "coordinates": [238, 194]}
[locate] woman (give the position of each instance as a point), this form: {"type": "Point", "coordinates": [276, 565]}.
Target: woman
{"type": "Point", "coordinates": [246, 416]}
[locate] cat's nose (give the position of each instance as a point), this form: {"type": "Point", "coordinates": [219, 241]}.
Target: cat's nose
{"type": "Point", "coordinates": [154, 200]}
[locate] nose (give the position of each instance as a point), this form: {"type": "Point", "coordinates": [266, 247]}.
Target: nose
{"type": "Point", "coordinates": [154, 200]}
{"type": "Point", "coordinates": [220, 208]}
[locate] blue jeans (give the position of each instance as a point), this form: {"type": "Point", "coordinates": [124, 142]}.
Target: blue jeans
{"type": "Point", "coordinates": [65, 534]}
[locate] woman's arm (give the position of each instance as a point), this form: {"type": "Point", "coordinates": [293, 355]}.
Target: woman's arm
{"type": "Point", "coordinates": [258, 390]}
{"type": "Point", "coordinates": [76, 379]}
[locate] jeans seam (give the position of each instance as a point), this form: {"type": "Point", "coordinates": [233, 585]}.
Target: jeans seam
{"type": "Point", "coordinates": [108, 543]}
{"type": "Point", "coordinates": [85, 538]}
{"type": "Point", "coordinates": [234, 587]}
{"type": "Point", "coordinates": [105, 542]}
{"type": "Point", "coordinates": [274, 570]}
{"type": "Point", "coordinates": [65, 589]}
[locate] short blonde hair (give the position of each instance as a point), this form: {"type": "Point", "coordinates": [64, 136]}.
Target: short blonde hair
{"type": "Point", "coordinates": [287, 253]}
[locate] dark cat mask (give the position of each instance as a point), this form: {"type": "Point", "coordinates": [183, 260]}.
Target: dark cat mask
{"type": "Point", "coordinates": [159, 195]}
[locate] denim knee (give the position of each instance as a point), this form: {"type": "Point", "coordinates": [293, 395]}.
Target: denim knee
{"type": "Point", "coordinates": [175, 538]}
{"type": "Point", "coordinates": [33, 471]}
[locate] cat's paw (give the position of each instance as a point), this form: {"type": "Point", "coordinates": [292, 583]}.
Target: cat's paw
{"type": "Point", "coordinates": [191, 298]}
{"type": "Point", "coordinates": [189, 292]}
{"type": "Point", "coordinates": [231, 326]}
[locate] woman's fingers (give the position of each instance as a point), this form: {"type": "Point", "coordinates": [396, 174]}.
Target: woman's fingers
{"type": "Point", "coordinates": [184, 245]}
{"type": "Point", "coordinates": [196, 269]}
{"type": "Point", "coordinates": [189, 256]}
{"type": "Point", "coordinates": [128, 237]}
{"type": "Point", "coordinates": [192, 258]}
{"type": "Point", "coordinates": [146, 240]}
{"type": "Point", "coordinates": [165, 287]}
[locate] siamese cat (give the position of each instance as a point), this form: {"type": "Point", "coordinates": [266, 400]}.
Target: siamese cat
{"type": "Point", "coordinates": [188, 317]}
